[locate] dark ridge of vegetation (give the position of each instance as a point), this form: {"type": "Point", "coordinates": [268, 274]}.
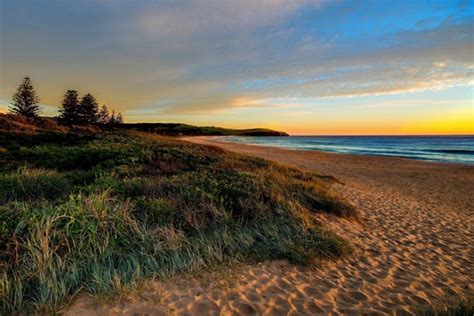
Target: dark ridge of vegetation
{"type": "Point", "coordinates": [177, 129]}
{"type": "Point", "coordinates": [463, 307]}
{"type": "Point", "coordinates": [86, 111]}
{"type": "Point", "coordinates": [14, 124]}
{"type": "Point", "coordinates": [98, 211]}
{"type": "Point", "coordinates": [25, 105]}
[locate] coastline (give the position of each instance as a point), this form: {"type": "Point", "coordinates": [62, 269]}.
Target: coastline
{"type": "Point", "coordinates": [448, 183]}
{"type": "Point", "coordinates": [221, 139]}
{"type": "Point", "coordinates": [412, 248]}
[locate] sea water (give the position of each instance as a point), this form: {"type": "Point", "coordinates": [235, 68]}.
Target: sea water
{"type": "Point", "coordinates": [451, 149]}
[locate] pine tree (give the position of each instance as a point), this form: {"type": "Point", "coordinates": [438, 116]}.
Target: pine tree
{"type": "Point", "coordinates": [88, 109]}
{"type": "Point", "coordinates": [104, 115]}
{"type": "Point", "coordinates": [112, 118]}
{"type": "Point", "coordinates": [25, 101]}
{"type": "Point", "coordinates": [70, 112]}
{"type": "Point", "coordinates": [119, 118]}
{"type": "Point", "coordinates": [115, 119]}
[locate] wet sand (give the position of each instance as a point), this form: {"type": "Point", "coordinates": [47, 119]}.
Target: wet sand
{"type": "Point", "coordinates": [414, 246]}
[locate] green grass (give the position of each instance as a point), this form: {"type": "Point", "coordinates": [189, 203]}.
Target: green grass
{"type": "Point", "coordinates": [99, 212]}
{"type": "Point", "coordinates": [32, 184]}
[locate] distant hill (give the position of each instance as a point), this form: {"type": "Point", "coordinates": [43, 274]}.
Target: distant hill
{"type": "Point", "coordinates": [177, 129]}
{"type": "Point", "coordinates": [11, 123]}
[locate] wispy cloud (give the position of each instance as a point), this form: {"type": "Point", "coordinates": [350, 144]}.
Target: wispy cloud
{"type": "Point", "coordinates": [193, 57]}
{"type": "Point", "coordinates": [215, 17]}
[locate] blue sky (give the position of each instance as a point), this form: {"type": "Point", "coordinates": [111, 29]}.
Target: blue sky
{"type": "Point", "coordinates": [311, 67]}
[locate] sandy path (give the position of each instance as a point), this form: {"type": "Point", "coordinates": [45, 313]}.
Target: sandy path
{"type": "Point", "coordinates": [415, 246]}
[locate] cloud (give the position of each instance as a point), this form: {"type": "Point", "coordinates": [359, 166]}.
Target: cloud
{"type": "Point", "coordinates": [186, 19]}
{"type": "Point", "coordinates": [196, 58]}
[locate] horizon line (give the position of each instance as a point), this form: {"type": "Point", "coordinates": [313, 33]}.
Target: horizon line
{"type": "Point", "coordinates": [376, 135]}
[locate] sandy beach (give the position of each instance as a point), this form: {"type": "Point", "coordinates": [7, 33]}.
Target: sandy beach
{"type": "Point", "coordinates": [413, 246]}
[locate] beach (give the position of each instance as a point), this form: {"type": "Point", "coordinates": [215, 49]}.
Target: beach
{"type": "Point", "coordinates": [413, 246]}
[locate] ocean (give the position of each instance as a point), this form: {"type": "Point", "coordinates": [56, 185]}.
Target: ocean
{"type": "Point", "coordinates": [450, 149]}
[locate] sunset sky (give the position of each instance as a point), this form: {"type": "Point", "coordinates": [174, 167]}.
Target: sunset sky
{"type": "Point", "coordinates": [305, 67]}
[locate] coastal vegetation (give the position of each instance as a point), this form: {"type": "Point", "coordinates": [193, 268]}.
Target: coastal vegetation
{"type": "Point", "coordinates": [75, 111]}
{"type": "Point", "coordinates": [85, 111]}
{"type": "Point", "coordinates": [463, 307]}
{"type": "Point", "coordinates": [25, 103]}
{"type": "Point", "coordinates": [88, 209]}
{"type": "Point", "coordinates": [178, 129]}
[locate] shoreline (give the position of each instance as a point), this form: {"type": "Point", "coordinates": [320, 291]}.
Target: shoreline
{"type": "Point", "coordinates": [444, 182]}
{"type": "Point", "coordinates": [217, 139]}
{"type": "Point", "coordinates": [413, 248]}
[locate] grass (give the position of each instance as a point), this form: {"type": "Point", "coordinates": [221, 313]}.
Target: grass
{"type": "Point", "coordinates": [32, 184]}
{"type": "Point", "coordinates": [98, 212]}
{"type": "Point", "coordinates": [463, 307]}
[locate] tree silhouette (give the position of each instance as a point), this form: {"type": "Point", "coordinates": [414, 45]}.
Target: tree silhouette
{"type": "Point", "coordinates": [115, 118]}
{"type": "Point", "coordinates": [112, 117]}
{"type": "Point", "coordinates": [25, 101]}
{"type": "Point", "coordinates": [104, 115]}
{"type": "Point", "coordinates": [88, 110]}
{"type": "Point", "coordinates": [70, 111]}
{"type": "Point", "coordinates": [119, 118]}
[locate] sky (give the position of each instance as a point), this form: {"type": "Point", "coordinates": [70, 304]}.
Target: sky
{"type": "Point", "coordinates": [305, 67]}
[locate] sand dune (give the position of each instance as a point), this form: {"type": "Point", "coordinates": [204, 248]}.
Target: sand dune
{"type": "Point", "coordinates": [413, 247]}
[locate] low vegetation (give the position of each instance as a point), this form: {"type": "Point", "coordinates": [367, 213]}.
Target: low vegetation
{"type": "Point", "coordinates": [75, 111]}
{"type": "Point", "coordinates": [464, 307]}
{"type": "Point", "coordinates": [174, 129]}
{"type": "Point", "coordinates": [25, 103]}
{"type": "Point", "coordinates": [98, 210]}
